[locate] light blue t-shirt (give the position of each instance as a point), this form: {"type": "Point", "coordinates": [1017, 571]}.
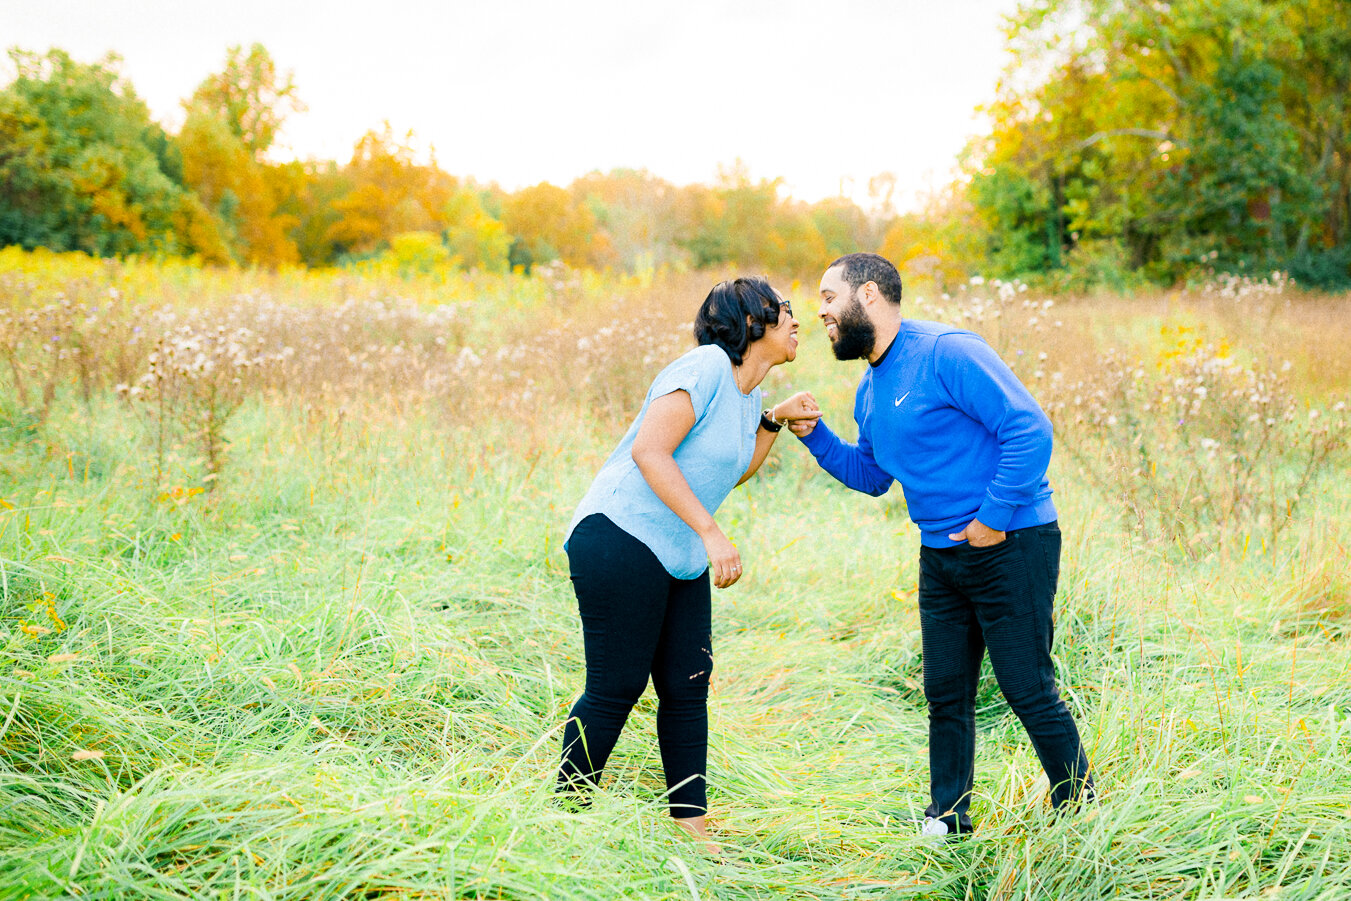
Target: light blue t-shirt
{"type": "Point", "coordinates": [713, 457]}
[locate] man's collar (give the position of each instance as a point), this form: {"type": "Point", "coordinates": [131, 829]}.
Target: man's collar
{"type": "Point", "coordinates": [882, 359]}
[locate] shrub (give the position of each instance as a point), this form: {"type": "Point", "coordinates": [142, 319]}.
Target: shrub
{"type": "Point", "coordinates": [1202, 449]}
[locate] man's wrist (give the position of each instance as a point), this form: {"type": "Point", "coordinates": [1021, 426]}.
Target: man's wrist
{"type": "Point", "coordinates": [994, 517]}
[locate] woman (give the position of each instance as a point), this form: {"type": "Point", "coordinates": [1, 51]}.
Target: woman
{"type": "Point", "coordinates": [643, 541]}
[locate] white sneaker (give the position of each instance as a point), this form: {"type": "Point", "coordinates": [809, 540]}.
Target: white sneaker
{"type": "Point", "coordinates": [933, 829]}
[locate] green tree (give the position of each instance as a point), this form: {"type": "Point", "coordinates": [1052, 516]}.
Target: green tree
{"type": "Point", "coordinates": [794, 246]}
{"type": "Point", "coordinates": [80, 165]}
{"type": "Point", "coordinates": [732, 221]}
{"type": "Point", "coordinates": [416, 253]}
{"type": "Point", "coordinates": [547, 223]}
{"type": "Point", "coordinates": [1165, 134]}
{"type": "Point", "coordinates": [1240, 191]}
{"type": "Point", "coordinates": [639, 213]}
{"type": "Point", "coordinates": [1020, 220]}
{"type": "Point", "coordinates": [744, 221]}
{"type": "Point", "coordinates": [844, 228]}
{"type": "Point", "coordinates": [307, 194]}
{"type": "Point", "coordinates": [938, 247]}
{"type": "Point", "coordinates": [474, 238]}
{"type": "Point", "coordinates": [232, 119]}
{"type": "Point", "coordinates": [249, 96]}
{"type": "Point", "coordinates": [235, 188]}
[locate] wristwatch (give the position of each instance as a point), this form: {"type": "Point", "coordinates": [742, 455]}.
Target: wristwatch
{"type": "Point", "coordinates": [767, 421]}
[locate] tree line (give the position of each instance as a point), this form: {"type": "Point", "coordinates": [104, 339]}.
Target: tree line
{"type": "Point", "coordinates": [83, 166]}
{"type": "Point", "coordinates": [1144, 139]}
{"type": "Point", "coordinates": [1130, 141]}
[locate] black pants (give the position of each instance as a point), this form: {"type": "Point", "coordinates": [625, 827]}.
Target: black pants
{"type": "Point", "coordinates": [997, 598]}
{"type": "Point", "coordinates": [638, 620]}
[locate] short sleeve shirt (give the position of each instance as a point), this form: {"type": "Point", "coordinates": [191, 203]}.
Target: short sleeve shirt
{"type": "Point", "coordinates": [713, 457]}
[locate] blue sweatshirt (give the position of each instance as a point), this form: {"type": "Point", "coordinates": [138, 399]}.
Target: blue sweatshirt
{"type": "Point", "coordinates": [948, 419]}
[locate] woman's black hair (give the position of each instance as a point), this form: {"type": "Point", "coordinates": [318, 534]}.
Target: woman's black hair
{"type": "Point", "coordinates": [724, 314]}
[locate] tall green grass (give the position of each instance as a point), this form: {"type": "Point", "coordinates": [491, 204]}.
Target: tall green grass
{"type": "Point", "coordinates": [341, 668]}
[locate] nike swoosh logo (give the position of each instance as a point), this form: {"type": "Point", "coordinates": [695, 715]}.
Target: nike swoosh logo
{"type": "Point", "coordinates": [902, 398]}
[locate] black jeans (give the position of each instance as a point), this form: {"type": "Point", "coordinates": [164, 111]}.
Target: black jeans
{"type": "Point", "coordinates": [638, 620]}
{"type": "Point", "coordinates": [1000, 598]}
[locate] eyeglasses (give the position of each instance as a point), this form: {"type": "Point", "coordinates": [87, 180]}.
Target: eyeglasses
{"type": "Point", "coordinates": [784, 307]}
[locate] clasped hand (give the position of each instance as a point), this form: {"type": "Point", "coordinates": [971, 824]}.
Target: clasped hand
{"type": "Point", "coordinates": [800, 412]}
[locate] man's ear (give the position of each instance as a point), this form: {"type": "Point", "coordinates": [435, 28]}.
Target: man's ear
{"type": "Point", "coordinates": [869, 291]}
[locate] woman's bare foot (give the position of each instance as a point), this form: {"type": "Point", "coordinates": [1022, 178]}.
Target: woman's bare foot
{"type": "Point", "coordinates": [698, 828]}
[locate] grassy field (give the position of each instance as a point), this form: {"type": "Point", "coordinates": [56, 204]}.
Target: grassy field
{"type": "Point", "coordinates": [284, 613]}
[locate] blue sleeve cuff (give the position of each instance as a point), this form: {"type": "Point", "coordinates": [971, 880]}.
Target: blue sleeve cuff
{"type": "Point", "coordinates": [820, 438]}
{"type": "Point", "coordinates": [995, 515]}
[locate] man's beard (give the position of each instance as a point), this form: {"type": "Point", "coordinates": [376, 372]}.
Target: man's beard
{"type": "Point", "coordinates": [855, 335]}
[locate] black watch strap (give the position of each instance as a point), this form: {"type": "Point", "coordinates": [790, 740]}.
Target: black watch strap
{"type": "Point", "coordinates": [768, 424]}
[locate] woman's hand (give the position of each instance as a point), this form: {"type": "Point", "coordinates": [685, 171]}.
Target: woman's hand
{"type": "Point", "coordinates": [800, 412]}
{"type": "Point", "coordinates": [800, 407]}
{"type": "Point", "coordinates": [668, 420]}
{"type": "Point", "coordinates": [724, 563]}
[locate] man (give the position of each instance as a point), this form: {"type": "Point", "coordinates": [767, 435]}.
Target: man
{"type": "Point", "coordinates": [939, 412]}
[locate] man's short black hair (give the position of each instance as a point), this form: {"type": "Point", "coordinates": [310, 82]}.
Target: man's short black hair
{"type": "Point", "coordinates": [861, 268]}
{"type": "Point", "coordinates": [722, 317]}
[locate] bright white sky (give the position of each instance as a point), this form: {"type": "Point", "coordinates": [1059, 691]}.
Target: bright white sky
{"type": "Point", "coordinates": [823, 94]}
